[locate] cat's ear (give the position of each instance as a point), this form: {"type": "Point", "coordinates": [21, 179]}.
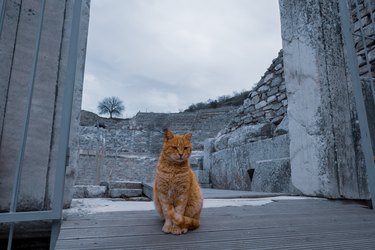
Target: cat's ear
{"type": "Point", "coordinates": [168, 134]}
{"type": "Point", "coordinates": [188, 136]}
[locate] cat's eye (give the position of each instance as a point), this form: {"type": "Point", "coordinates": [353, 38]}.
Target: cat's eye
{"type": "Point", "coordinates": [175, 148]}
{"type": "Point", "coordinates": [185, 148]}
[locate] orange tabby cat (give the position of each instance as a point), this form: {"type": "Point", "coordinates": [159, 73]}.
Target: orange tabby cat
{"type": "Point", "coordinates": [177, 195]}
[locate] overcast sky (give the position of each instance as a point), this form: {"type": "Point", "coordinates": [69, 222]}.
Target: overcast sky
{"type": "Point", "coordinates": [164, 55]}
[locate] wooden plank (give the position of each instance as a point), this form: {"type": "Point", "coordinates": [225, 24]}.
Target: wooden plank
{"type": "Point", "coordinates": [147, 218]}
{"type": "Point", "coordinates": [226, 234]}
{"type": "Point", "coordinates": [285, 207]}
{"type": "Point", "coordinates": [308, 224]}
{"type": "Point", "coordinates": [215, 221]}
{"type": "Point", "coordinates": [236, 225]}
{"type": "Point", "coordinates": [211, 193]}
{"type": "Point", "coordinates": [271, 238]}
{"type": "Point", "coordinates": [282, 210]}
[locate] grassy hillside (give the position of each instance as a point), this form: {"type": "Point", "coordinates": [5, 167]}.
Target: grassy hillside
{"type": "Point", "coordinates": [226, 100]}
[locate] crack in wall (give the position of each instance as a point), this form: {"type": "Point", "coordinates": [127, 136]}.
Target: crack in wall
{"type": "Point", "coordinates": [10, 70]}
{"type": "Point", "coordinates": [324, 43]}
{"type": "Point", "coordinates": [47, 199]}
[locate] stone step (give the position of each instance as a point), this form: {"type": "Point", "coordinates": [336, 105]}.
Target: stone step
{"type": "Point", "coordinates": [89, 191]}
{"type": "Point", "coordinates": [207, 185]}
{"type": "Point", "coordinates": [124, 192]}
{"type": "Point", "coordinates": [125, 185]}
{"type": "Point", "coordinates": [148, 190]}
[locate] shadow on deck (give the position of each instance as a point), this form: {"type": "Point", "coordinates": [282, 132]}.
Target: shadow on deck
{"type": "Point", "coordinates": [281, 224]}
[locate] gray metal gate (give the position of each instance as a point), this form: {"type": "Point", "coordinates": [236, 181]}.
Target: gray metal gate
{"type": "Point", "coordinates": [358, 28]}
{"type": "Point", "coordinates": [55, 214]}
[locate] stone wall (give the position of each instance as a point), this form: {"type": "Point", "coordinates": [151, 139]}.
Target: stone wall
{"type": "Point", "coordinates": [266, 102]}
{"type": "Point", "coordinates": [95, 169]}
{"type": "Point", "coordinates": [129, 148]}
{"type": "Point", "coordinates": [144, 132]}
{"type": "Point", "coordinates": [239, 163]}
{"type": "Point", "coordinates": [252, 152]}
{"type": "Point", "coordinates": [117, 154]}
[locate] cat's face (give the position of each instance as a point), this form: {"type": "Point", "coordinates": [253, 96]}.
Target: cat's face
{"type": "Point", "coordinates": [177, 147]}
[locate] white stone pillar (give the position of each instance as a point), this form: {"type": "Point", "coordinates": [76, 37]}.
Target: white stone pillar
{"type": "Point", "coordinates": [323, 147]}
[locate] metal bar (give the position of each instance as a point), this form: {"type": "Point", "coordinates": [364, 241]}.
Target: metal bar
{"type": "Point", "coordinates": [67, 109]}
{"type": "Point", "coordinates": [370, 6]}
{"type": "Point", "coordinates": [28, 216]}
{"type": "Point", "coordinates": [55, 231]}
{"type": "Point", "coordinates": [17, 176]}
{"type": "Point", "coordinates": [2, 15]}
{"type": "Point", "coordinates": [66, 116]}
{"type": "Point", "coordinates": [368, 66]}
{"type": "Point", "coordinates": [10, 237]}
{"type": "Point", "coordinates": [357, 90]}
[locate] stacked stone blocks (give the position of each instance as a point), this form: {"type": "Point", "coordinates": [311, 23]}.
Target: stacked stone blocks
{"type": "Point", "coordinates": [266, 102]}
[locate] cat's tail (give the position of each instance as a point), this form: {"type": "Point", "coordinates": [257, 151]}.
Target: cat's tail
{"type": "Point", "coordinates": [183, 221]}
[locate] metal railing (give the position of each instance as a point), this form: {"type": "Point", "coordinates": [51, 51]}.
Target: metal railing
{"type": "Point", "coordinates": [55, 214]}
{"type": "Point", "coordinates": [345, 7]}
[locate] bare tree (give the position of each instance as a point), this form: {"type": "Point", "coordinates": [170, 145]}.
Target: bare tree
{"type": "Point", "coordinates": [112, 106]}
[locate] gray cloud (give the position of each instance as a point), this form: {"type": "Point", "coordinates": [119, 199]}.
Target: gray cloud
{"type": "Point", "coordinates": [163, 55]}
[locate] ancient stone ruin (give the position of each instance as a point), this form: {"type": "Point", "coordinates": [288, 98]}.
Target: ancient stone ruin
{"type": "Point", "coordinates": [252, 152]}
{"type": "Point", "coordinates": [298, 132]}
{"type": "Point", "coordinates": [115, 150]}
{"type": "Point", "coordinates": [127, 150]}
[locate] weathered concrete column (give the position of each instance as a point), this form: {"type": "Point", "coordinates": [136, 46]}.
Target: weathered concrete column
{"type": "Point", "coordinates": [17, 46]}
{"type": "Point", "coordinates": [325, 159]}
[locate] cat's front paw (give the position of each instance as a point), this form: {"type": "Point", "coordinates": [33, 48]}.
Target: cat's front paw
{"type": "Point", "coordinates": [167, 228]}
{"type": "Point", "coordinates": [176, 230]}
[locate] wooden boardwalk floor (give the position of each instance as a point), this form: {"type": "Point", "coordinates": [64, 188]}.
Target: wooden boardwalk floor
{"type": "Point", "coordinates": [286, 224]}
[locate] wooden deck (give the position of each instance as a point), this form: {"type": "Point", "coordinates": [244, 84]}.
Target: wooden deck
{"type": "Point", "coordinates": [289, 224]}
